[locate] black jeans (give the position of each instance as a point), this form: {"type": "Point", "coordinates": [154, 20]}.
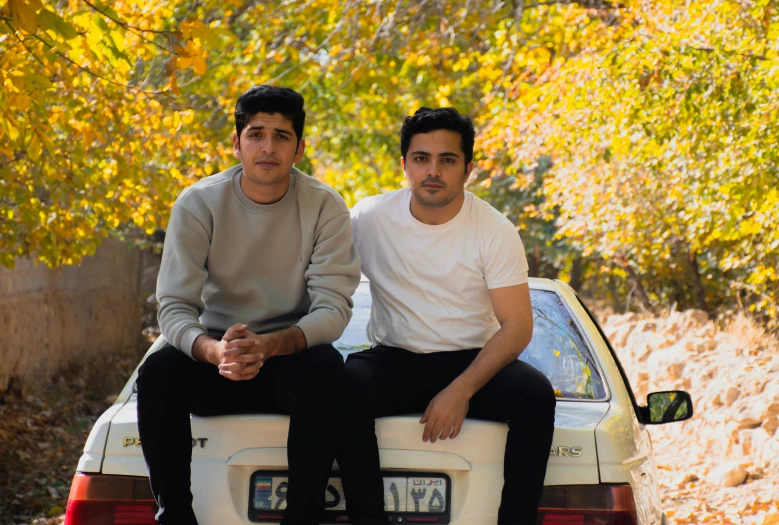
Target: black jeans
{"type": "Point", "coordinates": [386, 381]}
{"type": "Point", "coordinates": [171, 386]}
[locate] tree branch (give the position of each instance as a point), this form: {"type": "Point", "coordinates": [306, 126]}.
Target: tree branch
{"type": "Point", "coordinates": [713, 49]}
{"type": "Point", "coordinates": [10, 48]}
{"type": "Point", "coordinates": [92, 73]}
{"type": "Point", "coordinates": [133, 30]}
{"type": "Point", "coordinates": [238, 13]}
{"type": "Point", "coordinates": [519, 9]}
{"type": "Point", "coordinates": [36, 57]}
{"type": "Point", "coordinates": [126, 25]}
{"type": "Point", "coordinates": [588, 4]}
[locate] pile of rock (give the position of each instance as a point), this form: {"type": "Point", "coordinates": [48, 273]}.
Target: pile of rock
{"type": "Point", "coordinates": [723, 464]}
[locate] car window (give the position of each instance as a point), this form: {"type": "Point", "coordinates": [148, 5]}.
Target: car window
{"type": "Point", "coordinates": [557, 349]}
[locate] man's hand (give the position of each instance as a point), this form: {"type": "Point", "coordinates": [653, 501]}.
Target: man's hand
{"type": "Point", "coordinates": [244, 352]}
{"type": "Point", "coordinates": [445, 414]}
{"type": "Point", "coordinates": [237, 331]}
{"type": "Point", "coordinates": [223, 354]}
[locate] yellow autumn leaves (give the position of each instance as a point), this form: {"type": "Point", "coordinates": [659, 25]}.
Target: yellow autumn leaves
{"type": "Point", "coordinates": [655, 124]}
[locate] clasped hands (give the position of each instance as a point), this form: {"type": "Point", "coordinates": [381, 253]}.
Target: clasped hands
{"type": "Point", "coordinates": [241, 353]}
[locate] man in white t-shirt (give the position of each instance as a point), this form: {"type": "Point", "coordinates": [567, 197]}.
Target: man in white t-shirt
{"type": "Point", "coordinates": [451, 313]}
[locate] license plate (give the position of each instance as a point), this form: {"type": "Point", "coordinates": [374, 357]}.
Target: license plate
{"type": "Point", "coordinates": [406, 496]}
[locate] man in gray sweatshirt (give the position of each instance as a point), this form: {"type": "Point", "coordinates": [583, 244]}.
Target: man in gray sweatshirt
{"type": "Point", "coordinates": [256, 280]}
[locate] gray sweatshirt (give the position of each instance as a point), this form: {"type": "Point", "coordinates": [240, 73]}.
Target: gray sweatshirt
{"type": "Point", "coordinates": [228, 259]}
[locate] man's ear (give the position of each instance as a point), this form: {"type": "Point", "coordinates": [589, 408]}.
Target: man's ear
{"type": "Point", "coordinates": [403, 167]}
{"type": "Point", "coordinates": [468, 171]}
{"type": "Point", "coordinates": [236, 146]}
{"type": "Point", "coordinates": [300, 150]}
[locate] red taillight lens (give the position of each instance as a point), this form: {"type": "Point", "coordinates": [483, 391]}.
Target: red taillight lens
{"type": "Point", "coordinates": [587, 505]}
{"type": "Point", "coordinates": [125, 500]}
{"type": "Point", "coordinates": [110, 500]}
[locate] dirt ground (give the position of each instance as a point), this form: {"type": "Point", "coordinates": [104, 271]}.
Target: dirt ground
{"type": "Point", "coordinates": [721, 467]}
{"type": "Point", "coordinates": [42, 436]}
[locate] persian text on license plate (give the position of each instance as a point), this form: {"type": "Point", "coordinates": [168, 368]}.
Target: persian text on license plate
{"type": "Point", "coordinates": [405, 494]}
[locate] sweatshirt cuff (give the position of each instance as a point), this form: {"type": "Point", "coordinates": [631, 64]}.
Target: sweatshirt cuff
{"type": "Point", "coordinates": [188, 337]}
{"type": "Point", "coordinates": [313, 330]}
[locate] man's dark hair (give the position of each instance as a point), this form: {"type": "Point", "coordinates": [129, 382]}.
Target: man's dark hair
{"type": "Point", "coordinates": [426, 120]}
{"type": "Point", "coordinates": [270, 99]}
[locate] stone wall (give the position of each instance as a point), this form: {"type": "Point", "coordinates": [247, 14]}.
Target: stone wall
{"type": "Point", "coordinates": [68, 318]}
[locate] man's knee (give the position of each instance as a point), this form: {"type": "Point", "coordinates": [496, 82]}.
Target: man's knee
{"type": "Point", "coordinates": [361, 387]}
{"type": "Point", "coordinates": [534, 383]}
{"type": "Point", "coordinates": [531, 391]}
{"type": "Point", "coordinates": [320, 367]}
{"type": "Point", "coordinates": [161, 367]}
{"type": "Point", "coordinates": [359, 375]}
{"type": "Point", "coordinates": [540, 385]}
{"type": "Point", "coordinates": [324, 358]}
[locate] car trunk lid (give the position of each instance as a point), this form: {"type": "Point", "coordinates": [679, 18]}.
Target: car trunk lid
{"type": "Point", "coordinates": [228, 450]}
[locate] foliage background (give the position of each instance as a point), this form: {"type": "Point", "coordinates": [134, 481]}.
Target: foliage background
{"type": "Point", "coordinates": [634, 144]}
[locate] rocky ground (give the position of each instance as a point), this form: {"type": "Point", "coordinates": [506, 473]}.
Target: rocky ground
{"type": "Point", "coordinates": [721, 467]}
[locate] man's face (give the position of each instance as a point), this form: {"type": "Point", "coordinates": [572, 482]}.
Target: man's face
{"type": "Point", "coordinates": [435, 167]}
{"type": "Point", "coordinates": [268, 148]}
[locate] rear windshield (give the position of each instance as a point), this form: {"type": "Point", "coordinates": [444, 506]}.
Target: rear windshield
{"type": "Point", "coordinates": [557, 349]}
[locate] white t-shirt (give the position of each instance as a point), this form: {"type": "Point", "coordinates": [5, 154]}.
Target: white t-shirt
{"type": "Point", "coordinates": [430, 284]}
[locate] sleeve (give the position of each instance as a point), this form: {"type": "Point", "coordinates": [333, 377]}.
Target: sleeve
{"type": "Point", "coordinates": [332, 277]}
{"type": "Point", "coordinates": [355, 213]}
{"type": "Point", "coordinates": [506, 263]}
{"type": "Point", "coordinates": [182, 276]}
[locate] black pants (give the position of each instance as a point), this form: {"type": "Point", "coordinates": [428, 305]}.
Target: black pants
{"type": "Point", "coordinates": [171, 386]}
{"type": "Point", "coordinates": [385, 381]}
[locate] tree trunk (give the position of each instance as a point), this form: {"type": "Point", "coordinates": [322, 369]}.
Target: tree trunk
{"type": "Point", "coordinates": [697, 284]}
{"type": "Point", "coordinates": [537, 267]}
{"type": "Point", "coordinates": [578, 266]}
{"type": "Point", "coordinates": [640, 291]}
{"type": "Point", "coordinates": [550, 271]}
{"type": "Point", "coordinates": [616, 304]}
{"type": "Point", "coordinates": [533, 262]}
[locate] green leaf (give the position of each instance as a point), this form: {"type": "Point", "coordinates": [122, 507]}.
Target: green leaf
{"type": "Point", "coordinates": [47, 20]}
{"type": "Point", "coordinates": [100, 23]}
{"type": "Point", "coordinates": [43, 136]}
{"type": "Point", "coordinates": [108, 10]}
{"type": "Point", "coordinates": [36, 82]}
{"type": "Point", "coordinates": [10, 129]}
{"type": "Point", "coordinates": [116, 53]}
{"type": "Point", "coordinates": [35, 148]}
{"type": "Point", "coordinates": [64, 28]}
{"type": "Point", "coordinates": [118, 38]}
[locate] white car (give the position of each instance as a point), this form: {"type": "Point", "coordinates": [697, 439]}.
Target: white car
{"type": "Point", "coordinates": [601, 467]}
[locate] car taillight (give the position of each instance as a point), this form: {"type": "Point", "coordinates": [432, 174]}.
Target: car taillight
{"type": "Point", "coordinates": [587, 505]}
{"type": "Point", "coordinates": [96, 499]}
